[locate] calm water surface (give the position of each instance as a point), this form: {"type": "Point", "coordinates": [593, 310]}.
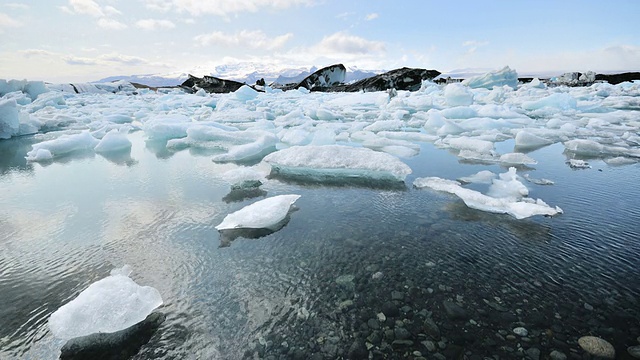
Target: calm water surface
{"type": "Point", "coordinates": [66, 224]}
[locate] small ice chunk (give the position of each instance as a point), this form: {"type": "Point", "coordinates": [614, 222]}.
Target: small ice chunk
{"type": "Point", "coordinates": [525, 139]}
{"type": "Point", "coordinates": [108, 305]}
{"type": "Point", "coordinates": [250, 151]}
{"type": "Point", "coordinates": [456, 94]}
{"type": "Point", "coordinates": [508, 186]}
{"type": "Point", "coordinates": [382, 125]}
{"type": "Point", "coordinates": [449, 128]}
{"type": "Point", "coordinates": [578, 164]}
{"type": "Point", "coordinates": [459, 112]}
{"type": "Point", "coordinates": [245, 93]}
{"type": "Point", "coordinates": [243, 175]}
{"type": "Point", "coordinates": [262, 214]}
{"type": "Point", "coordinates": [504, 76]}
{"type": "Point", "coordinates": [584, 147]}
{"type": "Point", "coordinates": [63, 145]}
{"type": "Point", "coordinates": [339, 160]}
{"type": "Point", "coordinates": [541, 181]}
{"type": "Point", "coordinates": [620, 160]}
{"type": "Point", "coordinates": [560, 101]}
{"type": "Point", "coordinates": [114, 140]}
{"type": "Point", "coordinates": [467, 143]}
{"type": "Point", "coordinates": [481, 177]}
{"type": "Point", "coordinates": [516, 159]}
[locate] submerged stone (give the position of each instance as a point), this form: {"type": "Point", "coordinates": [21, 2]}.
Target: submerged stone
{"type": "Point", "coordinates": [597, 347]}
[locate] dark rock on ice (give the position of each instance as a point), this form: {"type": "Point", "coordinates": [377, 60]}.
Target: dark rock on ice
{"type": "Point", "coordinates": [121, 344]}
{"type": "Point", "coordinates": [323, 79]}
{"type": "Point", "coordinates": [614, 79]}
{"type": "Point", "coordinates": [210, 84]}
{"type": "Point", "coordinates": [400, 79]}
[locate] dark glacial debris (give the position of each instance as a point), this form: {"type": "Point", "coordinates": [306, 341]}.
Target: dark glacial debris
{"type": "Point", "coordinates": [614, 79]}
{"type": "Point", "coordinates": [322, 80]}
{"type": "Point", "coordinates": [210, 84]}
{"type": "Point", "coordinates": [118, 345]}
{"type": "Point", "coordinates": [400, 79]}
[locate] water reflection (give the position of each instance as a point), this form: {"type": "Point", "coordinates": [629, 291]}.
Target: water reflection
{"type": "Point", "coordinates": [241, 194]}
{"type": "Point", "coordinates": [120, 157]}
{"type": "Point", "coordinates": [13, 152]}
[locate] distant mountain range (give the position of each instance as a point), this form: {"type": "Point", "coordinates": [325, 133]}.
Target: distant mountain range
{"type": "Point", "coordinates": [247, 73]}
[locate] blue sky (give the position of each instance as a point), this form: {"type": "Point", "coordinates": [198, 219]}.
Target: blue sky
{"type": "Point", "coordinates": [85, 40]}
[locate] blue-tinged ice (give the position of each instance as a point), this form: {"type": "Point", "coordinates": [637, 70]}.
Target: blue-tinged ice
{"type": "Point", "coordinates": [114, 140]}
{"type": "Point", "coordinates": [108, 305]}
{"type": "Point", "coordinates": [338, 161]}
{"type": "Point", "coordinates": [262, 214]}
{"type": "Point", "coordinates": [504, 76]}
{"type": "Point", "coordinates": [65, 144]}
{"type": "Point", "coordinates": [9, 120]}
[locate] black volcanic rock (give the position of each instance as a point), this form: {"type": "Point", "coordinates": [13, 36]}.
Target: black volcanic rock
{"type": "Point", "coordinates": [399, 79]}
{"type": "Point", "coordinates": [324, 79]}
{"type": "Point", "coordinates": [210, 84]}
{"type": "Point", "coordinates": [614, 79]}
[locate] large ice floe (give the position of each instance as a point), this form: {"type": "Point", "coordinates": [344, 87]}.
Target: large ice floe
{"type": "Point", "coordinates": [337, 161]}
{"type": "Point", "coordinates": [506, 195]}
{"type": "Point", "coordinates": [263, 214]}
{"type": "Point", "coordinates": [108, 305]}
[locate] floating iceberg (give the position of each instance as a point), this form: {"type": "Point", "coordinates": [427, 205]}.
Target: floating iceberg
{"type": "Point", "coordinates": [525, 139]}
{"type": "Point", "coordinates": [337, 161]}
{"type": "Point", "coordinates": [458, 95]}
{"type": "Point", "coordinates": [114, 140]}
{"type": "Point", "coordinates": [262, 214]}
{"type": "Point", "coordinates": [9, 119]}
{"type": "Point", "coordinates": [502, 77]}
{"type": "Point", "coordinates": [108, 305]}
{"type": "Point", "coordinates": [507, 196]}
{"type": "Point", "coordinates": [65, 144]}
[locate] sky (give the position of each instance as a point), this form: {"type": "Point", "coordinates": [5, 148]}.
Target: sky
{"type": "Point", "coordinates": [86, 40]}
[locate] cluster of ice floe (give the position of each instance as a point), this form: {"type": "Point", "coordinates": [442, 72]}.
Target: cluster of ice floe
{"type": "Point", "coordinates": [332, 135]}
{"type": "Point", "coordinates": [506, 195]}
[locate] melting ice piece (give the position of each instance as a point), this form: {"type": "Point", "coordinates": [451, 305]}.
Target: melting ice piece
{"type": "Point", "coordinates": [457, 95]}
{"type": "Point", "coordinates": [114, 140]}
{"type": "Point", "coordinates": [578, 164]}
{"type": "Point", "coordinates": [260, 215]}
{"type": "Point", "coordinates": [481, 177]}
{"type": "Point", "coordinates": [111, 304]}
{"type": "Point", "coordinates": [9, 119]}
{"type": "Point", "coordinates": [512, 203]}
{"type": "Point", "coordinates": [525, 139]}
{"type": "Point", "coordinates": [244, 177]}
{"type": "Point", "coordinates": [339, 161]}
{"type": "Point", "coordinates": [62, 145]}
{"type": "Point", "coordinates": [504, 76]}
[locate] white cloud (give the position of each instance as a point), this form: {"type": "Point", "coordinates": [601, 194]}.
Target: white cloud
{"type": "Point", "coordinates": [110, 10]}
{"type": "Point", "coordinates": [473, 45]}
{"type": "Point", "coordinates": [253, 39]}
{"type": "Point", "coordinates": [77, 60]}
{"type": "Point", "coordinates": [153, 24]}
{"type": "Point", "coordinates": [111, 24]}
{"type": "Point", "coordinates": [222, 7]}
{"type": "Point", "coordinates": [88, 7]}
{"type": "Point", "coordinates": [18, 6]}
{"type": "Point", "coordinates": [343, 43]}
{"type": "Point", "coordinates": [123, 59]}
{"type": "Point", "coordinates": [371, 16]}
{"type": "Point", "coordinates": [37, 52]}
{"type": "Point", "coordinates": [7, 22]}
{"type": "Point", "coordinates": [345, 15]}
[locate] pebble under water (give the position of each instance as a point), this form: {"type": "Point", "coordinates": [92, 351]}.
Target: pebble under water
{"type": "Point", "coordinates": [358, 271]}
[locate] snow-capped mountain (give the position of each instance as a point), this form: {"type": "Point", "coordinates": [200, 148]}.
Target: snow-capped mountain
{"type": "Point", "coordinates": [243, 72]}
